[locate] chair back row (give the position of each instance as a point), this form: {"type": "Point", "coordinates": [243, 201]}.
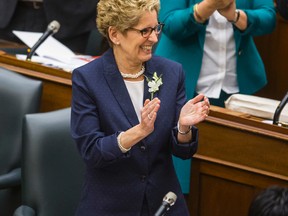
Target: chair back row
{"type": "Point", "coordinates": [19, 95]}
{"type": "Point", "coordinates": [52, 169]}
{"type": "Point", "coordinates": [40, 168]}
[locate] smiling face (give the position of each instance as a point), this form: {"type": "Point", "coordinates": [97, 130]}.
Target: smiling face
{"type": "Point", "coordinates": [131, 48]}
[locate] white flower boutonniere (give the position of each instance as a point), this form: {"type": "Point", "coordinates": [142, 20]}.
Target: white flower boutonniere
{"type": "Point", "coordinates": [154, 84]}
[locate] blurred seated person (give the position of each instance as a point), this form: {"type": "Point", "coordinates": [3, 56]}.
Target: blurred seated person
{"type": "Point", "coordinates": [77, 19]}
{"type": "Point", "coordinates": [273, 201]}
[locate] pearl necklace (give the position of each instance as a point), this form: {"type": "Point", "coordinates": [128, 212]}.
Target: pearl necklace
{"type": "Point", "coordinates": [133, 76]}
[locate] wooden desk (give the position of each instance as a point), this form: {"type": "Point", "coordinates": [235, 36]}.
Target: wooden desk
{"type": "Point", "coordinates": [57, 83]}
{"type": "Point", "coordinates": [238, 156]}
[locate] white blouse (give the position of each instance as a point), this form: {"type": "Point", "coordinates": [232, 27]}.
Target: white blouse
{"type": "Point", "coordinates": [218, 69]}
{"type": "Point", "coordinates": [136, 92]}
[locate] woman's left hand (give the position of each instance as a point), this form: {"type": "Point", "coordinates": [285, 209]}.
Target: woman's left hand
{"type": "Point", "coordinates": [194, 111]}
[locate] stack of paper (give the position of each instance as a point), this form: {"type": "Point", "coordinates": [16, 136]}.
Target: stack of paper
{"type": "Point", "coordinates": [256, 106]}
{"type": "Point", "coordinates": [51, 52]}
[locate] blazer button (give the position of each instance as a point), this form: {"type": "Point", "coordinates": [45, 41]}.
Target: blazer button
{"type": "Point", "coordinates": [142, 148]}
{"type": "Point", "coordinates": [143, 178]}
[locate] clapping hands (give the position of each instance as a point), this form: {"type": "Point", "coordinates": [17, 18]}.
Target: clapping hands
{"type": "Point", "coordinates": [229, 11]}
{"type": "Point", "coordinates": [219, 4]}
{"type": "Point", "coordinates": [194, 111]}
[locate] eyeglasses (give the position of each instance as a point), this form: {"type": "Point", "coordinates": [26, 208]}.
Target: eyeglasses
{"type": "Point", "coordinates": [146, 32]}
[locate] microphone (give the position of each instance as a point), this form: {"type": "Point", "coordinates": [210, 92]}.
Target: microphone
{"type": "Point", "coordinates": [52, 28]}
{"type": "Point", "coordinates": [168, 201]}
{"type": "Point", "coordinates": [279, 109]}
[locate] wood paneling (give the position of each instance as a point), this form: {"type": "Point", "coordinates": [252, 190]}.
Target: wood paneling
{"type": "Point", "coordinates": [238, 156]}
{"type": "Point", "coordinates": [273, 49]}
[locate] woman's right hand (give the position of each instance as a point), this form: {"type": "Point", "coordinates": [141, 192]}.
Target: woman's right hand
{"type": "Point", "coordinates": [149, 115]}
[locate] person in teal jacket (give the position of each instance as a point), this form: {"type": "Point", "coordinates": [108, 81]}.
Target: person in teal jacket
{"type": "Point", "coordinates": [213, 40]}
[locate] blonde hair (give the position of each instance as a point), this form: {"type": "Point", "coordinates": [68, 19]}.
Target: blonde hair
{"type": "Point", "coordinates": [122, 14]}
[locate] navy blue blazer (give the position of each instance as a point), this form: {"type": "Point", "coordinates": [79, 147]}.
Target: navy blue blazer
{"type": "Point", "coordinates": [116, 183]}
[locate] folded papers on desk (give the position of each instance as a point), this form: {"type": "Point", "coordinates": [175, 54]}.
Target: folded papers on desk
{"type": "Point", "coordinates": [256, 106]}
{"type": "Point", "coordinates": [73, 63]}
{"type": "Point", "coordinates": [51, 52]}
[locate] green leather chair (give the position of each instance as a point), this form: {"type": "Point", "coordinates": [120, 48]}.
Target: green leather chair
{"type": "Point", "coordinates": [52, 169]}
{"type": "Point", "coordinates": [19, 95]}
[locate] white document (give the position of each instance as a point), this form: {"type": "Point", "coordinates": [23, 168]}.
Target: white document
{"type": "Point", "coordinates": [51, 51]}
{"type": "Point", "coordinates": [256, 106]}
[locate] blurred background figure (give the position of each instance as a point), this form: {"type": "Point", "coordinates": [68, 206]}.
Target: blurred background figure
{"type": "Point", "coordinates": [282, 7]}
{"type": "Point", "coordinates": [77, 19]}
{"type": "Point", "coordinates": [273, 201]}
{"type": "Point", "coordinates": [213, 40]}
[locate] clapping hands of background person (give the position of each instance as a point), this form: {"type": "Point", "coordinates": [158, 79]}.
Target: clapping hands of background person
{"type": "Point", "coordinates": [229, 11]}
{"type": "Point", "coordinates": [219, 4]}
{"type": "Point", "coordinates": [204, 9]}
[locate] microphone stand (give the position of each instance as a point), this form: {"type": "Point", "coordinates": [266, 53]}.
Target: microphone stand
{"type": "Point", "coordinates": [279, 109]}
{"type": "Point", "coordinates": [30, 52]}
{"type": "Point", "coordinates": [52, 28]}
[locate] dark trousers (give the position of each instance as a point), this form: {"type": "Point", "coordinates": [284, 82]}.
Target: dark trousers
{"type": "Point", "coordinates": [219, 101]}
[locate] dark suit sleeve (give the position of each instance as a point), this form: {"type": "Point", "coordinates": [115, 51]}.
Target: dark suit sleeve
{"type": "Point", "coordinates": [96, 148]}
{"type": "Point", "coordinates": [185, 150]}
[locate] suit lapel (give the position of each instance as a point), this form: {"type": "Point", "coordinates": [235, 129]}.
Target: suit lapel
{"type": "Point", "coordinates": [118, 88]}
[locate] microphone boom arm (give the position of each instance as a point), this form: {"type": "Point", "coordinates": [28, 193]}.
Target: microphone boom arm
{"type": "Point", "coordinates": [35, 46]}
{"type": "Point", "coordinates": [52, 28]}
{"type": "Point", "coordinates": [279, 109]}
